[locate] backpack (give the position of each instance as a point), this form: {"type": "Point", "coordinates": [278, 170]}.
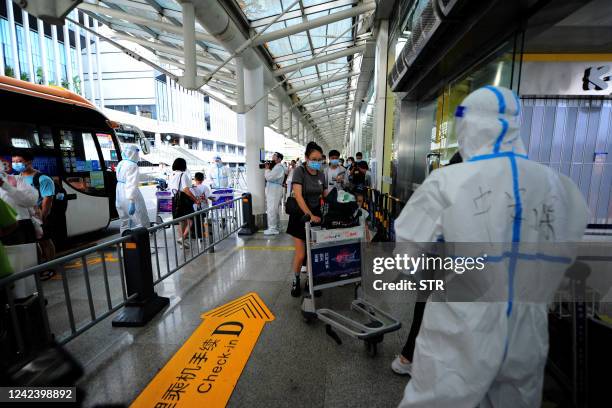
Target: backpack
{"type": "Point", "coordinates": [339, 215]}
{"type": "Point", "coordinates": [57, 216]}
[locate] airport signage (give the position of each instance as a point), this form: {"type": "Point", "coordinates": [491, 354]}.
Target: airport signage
{"type": "Point", "coordinates": [566, 78]}
{"type": "Point", "coordinates": [205, 370]}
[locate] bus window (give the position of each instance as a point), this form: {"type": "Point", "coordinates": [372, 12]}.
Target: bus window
{"type": "Point", "coordinates": [107, 145]}
{"type": "Point", "coordinates": [81, 162]}
{"type": "Point", "coordinates": [25, 135]}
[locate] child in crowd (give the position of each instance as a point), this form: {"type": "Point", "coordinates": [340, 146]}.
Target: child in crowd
{"type": "Point", "coordinates": [201, 191]}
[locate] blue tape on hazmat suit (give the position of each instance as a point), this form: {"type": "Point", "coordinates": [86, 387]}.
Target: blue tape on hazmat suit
{"type": "Point", "coordinates": [491, 354]}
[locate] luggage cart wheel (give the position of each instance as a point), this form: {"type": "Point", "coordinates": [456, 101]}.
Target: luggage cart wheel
{"type": "Point", "coordinates": [371, 348]}
{"type": "Point", "coordinates": [309, 317]}
{"type": "Point", "coordinates": [371, 344]}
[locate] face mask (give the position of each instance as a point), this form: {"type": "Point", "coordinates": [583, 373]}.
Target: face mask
{"type": "Point", "coordinates": [19, 167]}
{"type": "Point", "coordinates": [219, 164]}
{"type": "Point", "coordinates": [334, 162]}
{"type": "Point", "coordinates": [315, 165]}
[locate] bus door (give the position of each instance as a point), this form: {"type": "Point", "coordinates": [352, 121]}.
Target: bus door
{"type": "Point", "coordinates": [111, 156]}
{"type": "Point", "coordinates": [84, 172]}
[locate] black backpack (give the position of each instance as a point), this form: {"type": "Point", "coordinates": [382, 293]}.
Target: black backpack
{"type": "Point", "coordinates": [56, 218]}
{"type": "Point", "coordinates": [339, 215]}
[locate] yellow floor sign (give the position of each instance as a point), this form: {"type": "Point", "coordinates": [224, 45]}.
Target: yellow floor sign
{"type": "Point", "coordinates": [205, 370]}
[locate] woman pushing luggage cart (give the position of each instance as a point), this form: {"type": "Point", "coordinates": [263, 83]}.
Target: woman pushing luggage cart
{"type": "Point", "coordinates": [334, 258]}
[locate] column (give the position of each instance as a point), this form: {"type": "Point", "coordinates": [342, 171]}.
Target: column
{"type": "Point", "coordinates": [56, 57]}
{"type": "Point", "coordinates": [158, 140]}
{"type": "Point", "coordinates": [254, 139]}
{"type": "Point", "coordinates": [281, 124]}
{"type": "Point", "coordinates": [28, 45]}
{"type": "Point", "coordinates": [98, 66]}
{"type": "Point", "coordinates": [69, 73]}
{"type": "Point", "coordinates": [90, 75]}
{"type": "Point", "coordinates": [79, 53]}
{"type": "Point", "coordinates": [43, 51]}
{"type": "Point", "coordinates": [290, 124]}
{"type": "Point", "coordinates": [13, 36]}
{"type": "Point", "coordinates": [380, 83]}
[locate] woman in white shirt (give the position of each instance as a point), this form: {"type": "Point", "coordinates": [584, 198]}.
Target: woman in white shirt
{"type": "Point", "coordinates": [180, 184]}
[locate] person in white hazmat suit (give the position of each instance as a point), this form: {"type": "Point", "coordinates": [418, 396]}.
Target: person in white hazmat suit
{"type": "Point", "coordinates": [490, 354]}
{"type": "Point", "coordinates": [218, 174]}
{"type": "Point", "coordinates": [274, 193]}
{"type": "Point", "coordinates": [129, 201]}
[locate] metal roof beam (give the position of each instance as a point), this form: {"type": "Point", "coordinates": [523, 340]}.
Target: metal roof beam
{"type": "Point", "coordinates": [320, 60]}
{"type": "Point", "coordinates": [165, 48]}
{"type": "Point", "coordinates": [160, 25]}
{"type": "Point", "coordinates": [328, 97]}
{"type": "Point", "coordinates": [297, 89]}
{"type": "Point", "coordinates": [333, 105]}
{"type": "Point", "coordinates": [314, 23]}
{"type": "Point", "coordinates": [307, 10]}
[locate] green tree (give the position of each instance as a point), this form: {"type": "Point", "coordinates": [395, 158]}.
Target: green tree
{"type": "Point", "coordinates": [76, 80]}
{"type": "Point", "coordinates": [65, 84]}
{"type": "Point", "coordinates": [9, 71]}
{"type": "Point", "coordinates": [40, 78]}
{"type": "Point", "coordinates": [25, 76]}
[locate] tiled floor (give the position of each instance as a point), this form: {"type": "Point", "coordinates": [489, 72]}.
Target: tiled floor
{"type": "Point", "coordinates": [294, 364]}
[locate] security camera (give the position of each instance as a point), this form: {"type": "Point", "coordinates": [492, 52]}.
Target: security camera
{"type": "Point", "coordinates": [363, 100]}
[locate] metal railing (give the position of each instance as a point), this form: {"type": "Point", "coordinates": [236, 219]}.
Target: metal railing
{"type": "Point", "coordinates": [90, 285]}
{"type": "Point", "coordinates": [205, 229]}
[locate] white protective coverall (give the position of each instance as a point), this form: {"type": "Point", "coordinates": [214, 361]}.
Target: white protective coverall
{"type": "Point", "coordinates": [274, 194]}
{"type": "Point", "coordinates": [219, 176]}
{"type": "Point", "coordinates": [128, 193]}
{"type": "Point", "coordinates": [490, 354]}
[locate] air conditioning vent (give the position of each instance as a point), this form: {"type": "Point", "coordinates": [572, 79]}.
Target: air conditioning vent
{"type": "Point", "coordinates": [422, 28]}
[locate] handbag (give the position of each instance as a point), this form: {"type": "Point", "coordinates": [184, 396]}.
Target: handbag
{"type": "Point", "coordinates": [180, 202]}
{"type": "Point", "coordinates": [292, 207]}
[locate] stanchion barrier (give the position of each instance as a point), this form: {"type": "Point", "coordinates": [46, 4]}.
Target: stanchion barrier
{"type": "Point", "coordinates": [139, 282]}
{"type": "Point", "coordinates": [383, 210]}
{"type": "Point", "coordinates": [249, 227]}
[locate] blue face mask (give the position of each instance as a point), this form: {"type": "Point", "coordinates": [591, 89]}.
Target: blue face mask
{"type": "Point", "coordinates": [19, 167]}
{"type": "Point", "coordinates": [334, 162]}
{"type": "Point", "coordinates": [315, 165]}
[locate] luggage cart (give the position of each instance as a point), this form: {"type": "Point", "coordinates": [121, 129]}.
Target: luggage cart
{"type": "Point", "coordinates": [220, 196]}
{"type": "Point", "coordinates": [334, 258]}
{"type": "Point", "coordinates": [163, 205]}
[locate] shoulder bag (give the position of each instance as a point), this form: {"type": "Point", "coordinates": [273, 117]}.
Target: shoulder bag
{"type": "Point", "coordinates": [291, 205]}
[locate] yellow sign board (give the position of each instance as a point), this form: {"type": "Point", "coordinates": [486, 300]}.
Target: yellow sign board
{"type": "Point", "coordinates": [205, 370]}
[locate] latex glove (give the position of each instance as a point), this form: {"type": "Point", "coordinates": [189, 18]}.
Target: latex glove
{"type": "Point", "coordinates": [131, 208]}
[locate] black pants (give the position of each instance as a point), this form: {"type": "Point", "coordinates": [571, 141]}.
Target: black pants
{"type": "Point", "coordinates": [419, 311]}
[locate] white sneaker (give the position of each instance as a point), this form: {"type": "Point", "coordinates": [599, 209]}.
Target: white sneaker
{"type": "Point", "coordinates": [400, 367]}
{"type": "Point", "coordinates": [271, 231]}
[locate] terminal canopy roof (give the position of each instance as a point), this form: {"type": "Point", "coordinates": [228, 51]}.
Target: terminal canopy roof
{"type": "Point", "coordinates": [312, 48]}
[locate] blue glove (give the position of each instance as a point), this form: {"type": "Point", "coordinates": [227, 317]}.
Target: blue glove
{"type": "Point", "coordinates": [132, 209]}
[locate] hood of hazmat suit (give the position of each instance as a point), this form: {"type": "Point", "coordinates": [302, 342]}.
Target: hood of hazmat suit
{"type": "Point", "coordinates": [484, 341]}
{"type": "Point", "coordinates": [128, 191]}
